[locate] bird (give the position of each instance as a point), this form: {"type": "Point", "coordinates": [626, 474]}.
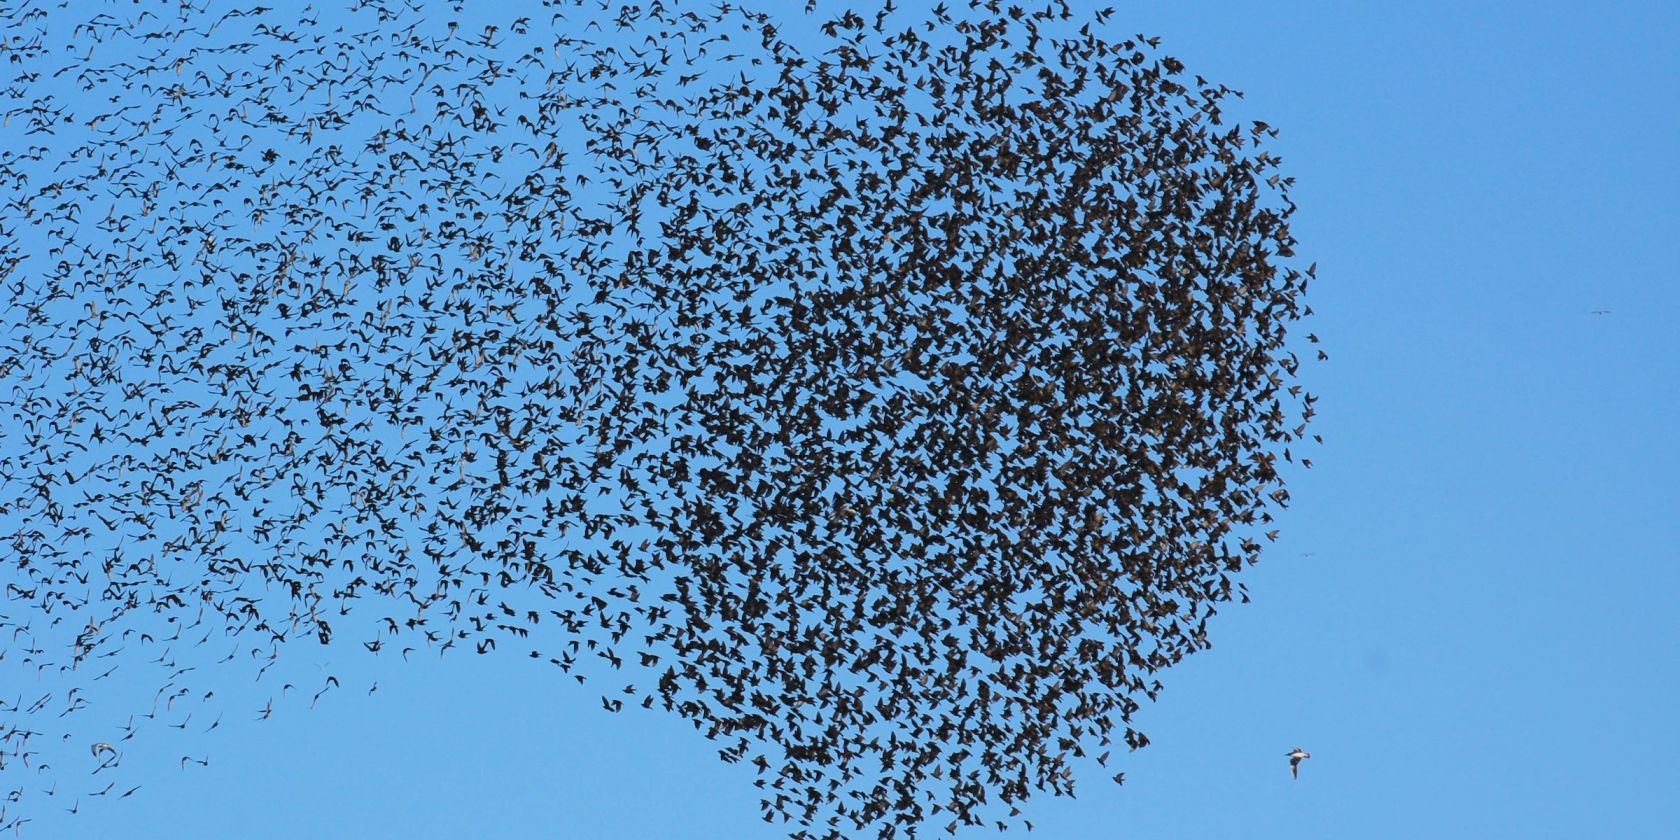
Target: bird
{"type": "Point", "coordinates": [1296, 754]}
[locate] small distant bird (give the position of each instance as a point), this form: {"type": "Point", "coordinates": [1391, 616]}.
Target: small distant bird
{"type": "Point", "coordinates": [103, 747]}
{"type": "Point", "coordinates": [1601, 312]}
{"type": "Point", "coordinates": [1295, 756]}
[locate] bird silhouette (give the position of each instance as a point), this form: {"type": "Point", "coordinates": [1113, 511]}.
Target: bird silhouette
{"type": "Point", "coordinates": [1296, 754]}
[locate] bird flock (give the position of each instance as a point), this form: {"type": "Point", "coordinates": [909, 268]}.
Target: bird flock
{"type": "Point", "coordinates": [892, 393]}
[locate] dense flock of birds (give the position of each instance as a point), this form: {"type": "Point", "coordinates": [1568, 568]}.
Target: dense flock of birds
{"type": "Point", "coordinates": [891, 393]}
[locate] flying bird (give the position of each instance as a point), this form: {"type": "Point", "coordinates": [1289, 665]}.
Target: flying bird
{"type": "Point", "coordinates": [1295, 756]}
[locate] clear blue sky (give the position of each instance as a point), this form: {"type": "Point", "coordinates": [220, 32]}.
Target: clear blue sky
{"type": "Point", "coordinates": [1470, 619]}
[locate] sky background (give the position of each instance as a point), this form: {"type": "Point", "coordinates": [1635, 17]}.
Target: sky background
{"type": "Point", "coordinates": [1470, 618]}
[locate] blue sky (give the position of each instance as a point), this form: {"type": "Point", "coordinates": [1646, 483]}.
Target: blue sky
{"type": "Point", "coordinates": [1469, 618]}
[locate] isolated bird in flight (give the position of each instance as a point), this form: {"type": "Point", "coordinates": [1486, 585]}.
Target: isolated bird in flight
{"type": "Point", "coordinates": [1295, 756]}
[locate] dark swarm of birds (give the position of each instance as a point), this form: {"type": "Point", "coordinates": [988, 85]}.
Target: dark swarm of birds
{"type": "Point", "coordinates": [892, 394]}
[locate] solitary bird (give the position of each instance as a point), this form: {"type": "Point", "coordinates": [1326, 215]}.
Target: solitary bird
{"type": "Point", "coordinates": [1295, 756]}
{"type": "Point", "coordinates": [103, 747]}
